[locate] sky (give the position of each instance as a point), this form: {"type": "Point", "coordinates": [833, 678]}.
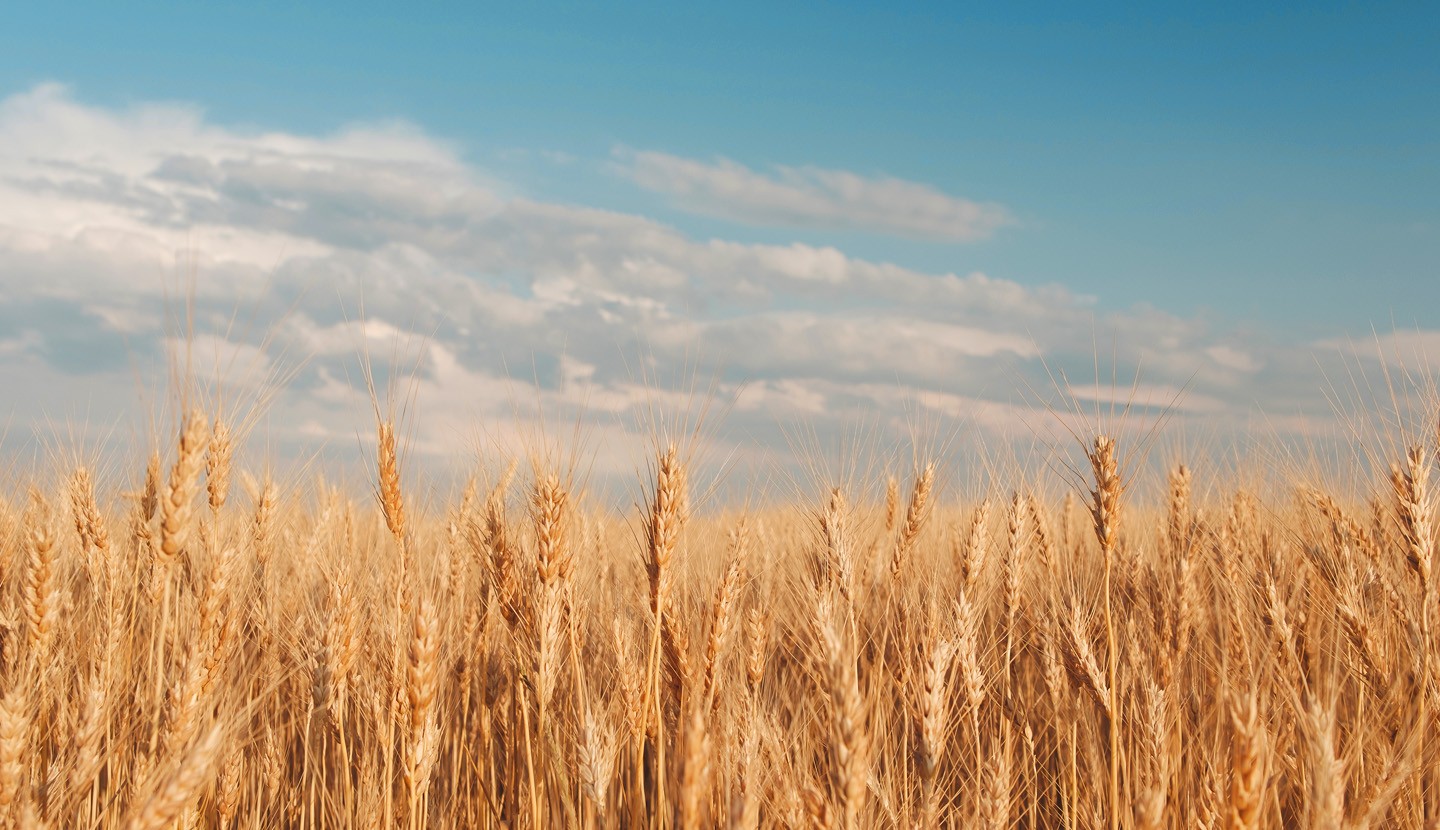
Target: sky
{"type": "Point", "coordinates": [852, 212]}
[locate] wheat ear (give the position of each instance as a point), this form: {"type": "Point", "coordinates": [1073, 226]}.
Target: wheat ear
{"type": "Point", "coordinates": [179, 496]}
{"type": "Point", "coordinates": [847, 717]}
{"type": "Point", "coordinates": [173, 794]}
{"type": "Point", "coordinates": [217, 465]}
{"type": "Point", "coordinates": [1247, 767]}
{"type": "Point", "coordinates": [915, 513]}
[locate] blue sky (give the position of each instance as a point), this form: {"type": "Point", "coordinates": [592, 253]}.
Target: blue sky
{"type": "Point", "coordinates": [1268, 163]}
{"type": "Point", "coordinates": [1218, 191]}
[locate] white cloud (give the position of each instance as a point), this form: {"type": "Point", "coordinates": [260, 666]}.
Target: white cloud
{"type": "Point", "coordinates": [1233, 358]}
{"type": "Point", "coordinates": [813, 197]}
{"type": "Point", "coordinates": [105, 214]}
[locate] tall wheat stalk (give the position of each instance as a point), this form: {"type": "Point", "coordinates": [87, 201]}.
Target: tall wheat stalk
{"type": "Point", "coordinates": [1105, 509]}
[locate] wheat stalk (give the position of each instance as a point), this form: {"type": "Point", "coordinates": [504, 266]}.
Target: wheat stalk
{"type": "Point", "coordinates": [1105, 509]}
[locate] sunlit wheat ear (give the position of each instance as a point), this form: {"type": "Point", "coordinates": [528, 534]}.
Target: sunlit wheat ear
{"type": "Point", "coordinates": [1044, 549]}
{"type": "Point", "coordinates": [89, 522]}
{"type": "Point", "coordinates": [422, 685]}
{"type": "Point", "coordinates": [1344, 526]}
{"type": "Point", "coordinates": [967, 649]}
{"type": "Point", "coordinates": [1016, 548]}
{"type": "Point", "coordinates": [1327, 770]}
{"type": "Point", "coordinates": [205, 662]}
{"type": "Point", "coordinates": [892, 503]}
{"type": "Point", "coordinates": [972, 560]}
{"type": "Point", "coordinates": [1178, 516]}
{"type": "Point", "coordinates": [493, 533]}
{"type": "Point", "coordinates": [744, 805]}
{"type": "Point", "coordinates": [695, 771]}
{"type": "Point", "coordinates": [1150, 809]}
{"type": "Point", "coordinates": [630, 677]}
{"type": "Point", "coordinates": [262, 532]}
{"type": "Point", "coordinates": [1017, 527]}
{"type": "Point", "coordinates": [595, 754]}
{"type": "Point", "coordinates": [757, 634]}
{"type": "Point", "coordinates": [1081, 664]}
{"type": "Point", "coordinates": [230, 788]}
{"type": "Point", "coordinates": [849, 737]}
{"type": "Point", "coordinates": [1053, 671]}
{"type": "Point", "coordinates": [1105, 498]}
{"type": "Point", "coordinates": [934, 722]}
{"type": "Point", "coordinates": [721, 619]}
{"type": "Point", "coordinates": [996, 797]}
{"type": "Point", "coordinates": [219, 620]}
{"type": "Point", "coordinates": [42, 591]}
{"type": "Point", "coordinates": [392, 504]}
{"type": "Point", "coordinates": [553, 562]}
{"type": "Point", "coordinates": [217, 465]}
{"type": "Point", "coordinates": [90, 733]}
{"type": "Point", "coordinates": [816, 810]}
{"type": "Point", "coordinates": [1247, 766]}
{"type": "Point", "coordinates": [272, 762]}
{"type": "Point", "coordinates": [169, 796]}
{"type": "Point", "coordinates": [339, 647]}
{"type": "Point", "coordinates": [14, 741]}
{"type": "Point", "coordinates": [179, 496]}
{"type": "Point", "coordinates": [141, 530]}
{"type": "Point", "coordinates": [1413, 505]}
{"type": "Point", "coordinates": [549, 510]}
{"type": "Point", "coordinates": [456, 563]}
{"type": "Point", "coordinates": [662, 527]}
{"type": "Point", "coordinates": [150, 494]}
{"type": "Point", "coordinates": [838, 567]}
{"type": "Point", "coordinates": [675, 642]}
{"type": "Point", "coordinates": [663, 522]}
{"type": "Point", "coordinates": [915, 514]}
{"type": "Point", "coordinates": [1280, 621]}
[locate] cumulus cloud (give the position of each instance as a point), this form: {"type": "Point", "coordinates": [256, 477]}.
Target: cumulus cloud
{"type": "Point", "coordinates": [499, 303]}
{"type": "Point", "coordinates": [814, 197]}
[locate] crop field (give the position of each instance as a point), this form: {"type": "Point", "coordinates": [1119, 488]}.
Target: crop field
{"type": "Point", "coordinates": [196, 645]}
{"type": "Point", "coordinates": [743, 416]}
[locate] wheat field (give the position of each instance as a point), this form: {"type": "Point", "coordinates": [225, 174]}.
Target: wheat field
{"type": "Point", "coordinates": [180, 650]}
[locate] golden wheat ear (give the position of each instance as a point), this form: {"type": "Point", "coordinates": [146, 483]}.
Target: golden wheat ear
{"type": "Point", "coordinates": [179, 496]}
{"type": "Point", "coordinates": [392, 503]}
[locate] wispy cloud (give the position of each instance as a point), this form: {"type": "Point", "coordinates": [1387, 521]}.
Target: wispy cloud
{"type": "Point", "coordinates": [813, 197]}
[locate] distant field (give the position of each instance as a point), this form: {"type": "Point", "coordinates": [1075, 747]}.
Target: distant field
{"type": "Point", "coordinates": [182, 651]}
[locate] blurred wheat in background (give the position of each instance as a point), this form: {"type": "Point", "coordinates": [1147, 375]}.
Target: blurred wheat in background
{"type": "Point", "coordinates": [1050, 652]}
